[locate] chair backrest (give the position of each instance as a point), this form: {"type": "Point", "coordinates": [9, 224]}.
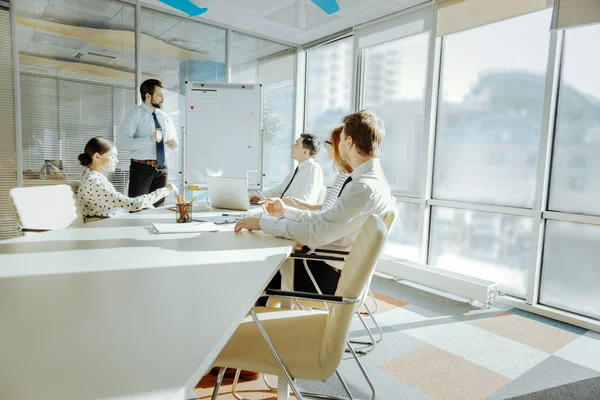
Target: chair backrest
{"type": "Point", "coordinates": [388, 219]}
{"type": "Point", "coordinates": [322, 193]}
{"type": "Point", "coordinates": [45, 207]}
{"type": "Point", "coordinates": [354, 282]}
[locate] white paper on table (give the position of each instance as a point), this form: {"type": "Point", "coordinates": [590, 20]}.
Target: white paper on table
{"type": "Point", "coordinates": [188, 227]}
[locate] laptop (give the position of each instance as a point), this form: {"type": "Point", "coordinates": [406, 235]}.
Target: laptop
{"type": "Point", "coordinates": [228, 193]}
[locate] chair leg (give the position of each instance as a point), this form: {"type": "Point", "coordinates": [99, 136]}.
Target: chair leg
{"type": "Point", "coordinates": [370, 344]}
{"type": "Point", "coordinates": [362, 370]}
{"type": "Point", "coordinates": [346, 388]}
{"type": "Point", "coordinates": [218, 383]}
{"type": "Point", "coordinates": [376, 324]}
{"type": "Point", "coordinates": [282, 367]}
{"type": "Point", "coordinates": [234, 385]}
{"type": "Point", "coordinates": [267, 382]}
{"type": "Point", "coordinates": [373, 341]}
{"type": "Point", "coordinates": [372, 296]}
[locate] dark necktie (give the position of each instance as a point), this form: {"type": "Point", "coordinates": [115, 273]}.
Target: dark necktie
{"type": "Point", "coordinates": [160, 146]}
{"type": "Point", "coordinates": [288, 185]}
{"type": "Point", "coordinates": [347, 181]}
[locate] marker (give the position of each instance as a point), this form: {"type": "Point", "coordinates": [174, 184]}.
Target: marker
{"type": "Point", "coordinates": [225, 215]}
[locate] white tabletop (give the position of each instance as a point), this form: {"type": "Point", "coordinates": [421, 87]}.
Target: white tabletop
{"type": "Point", "coordinates": [112, 310]}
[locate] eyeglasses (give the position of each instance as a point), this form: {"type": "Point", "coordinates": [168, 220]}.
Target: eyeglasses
{"type": "Point", "coordinates": [328, 143]}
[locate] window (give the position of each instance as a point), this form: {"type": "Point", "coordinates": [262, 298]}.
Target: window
{"type": "Point", "coordinates": [570, 272]}
{"type": "Point", "coordinates": [488, 246]}
{"type": "Point", "coordinates": [574, 184]}
{"type": "Point", "coordinates": [77, 74]}
{"type": "Point", "coordinates": [176, 50]}
{"type": "Point", "coordinates": [395, 76]}
{"type": "Point", "coordinates": [490, 112]}
{"type": "Point", "coordinates": [404, 241]}
{"type": "Point", "coordinates": [272, 65]}
{"type": "Point", "coordinates": [328, 100]}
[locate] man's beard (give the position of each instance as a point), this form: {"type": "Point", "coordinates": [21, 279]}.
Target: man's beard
{"type": "Point", "coordinates": [156, 105]}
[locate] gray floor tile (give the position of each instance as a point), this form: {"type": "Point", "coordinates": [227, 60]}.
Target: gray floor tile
{"type": "Point", "coordinates": [553, 371]}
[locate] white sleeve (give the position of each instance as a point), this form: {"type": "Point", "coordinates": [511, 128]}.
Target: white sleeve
{"type": "Point", "coordinates": [105, 194]}
{"type": "Point", "coordinates": [310, 183]}
{"type": "Point", "coordinates": [127, 139]}
{"type": "Point", "coordinates": [347, 215]}
{"type": "Point", "coordinates": [299, 215]}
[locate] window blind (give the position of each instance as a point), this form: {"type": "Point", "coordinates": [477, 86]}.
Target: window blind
{"type": "Point", "coordinates": [77, 81]}
{"type": "Point", "coordinates": [396, 27]}
{"type": "Point", "coordinates": [571, 13]}
{"type": "Point", "coordinates": [8, 166]}
{"type": "Point", "coordinates": [459, 15]}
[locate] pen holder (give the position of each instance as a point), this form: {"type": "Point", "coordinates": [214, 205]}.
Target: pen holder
{"type": "Point", "coordinates": [183, 212]}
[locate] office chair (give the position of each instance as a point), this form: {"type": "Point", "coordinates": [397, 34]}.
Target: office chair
{"type": "Point", "coordinates": [45, 208]}
{"type": "Point", "coordinates": [307, 344]}
{"type": "Point", "coordinates": [334, 255]}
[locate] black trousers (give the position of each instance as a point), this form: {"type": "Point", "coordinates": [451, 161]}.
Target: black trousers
{"type": "Point", "coordinates": [327, 278]}
{"type": "Point", "coordinates": [144, 179]}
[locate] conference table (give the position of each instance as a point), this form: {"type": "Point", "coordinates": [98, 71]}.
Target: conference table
{"type": "Point", "coordinates": [112, 310]}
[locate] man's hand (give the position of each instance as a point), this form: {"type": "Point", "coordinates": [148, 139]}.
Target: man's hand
{"type": "Point", "coordinates": [170, 143]}
{"type": "Point", "coordinates": [156, 135]}
{"type": "Point", "coordinates": [274, 207]}
{"type": "Point", "coordinates": [254, 198]}
{"type": "Point", "coordinates": [250, 223]}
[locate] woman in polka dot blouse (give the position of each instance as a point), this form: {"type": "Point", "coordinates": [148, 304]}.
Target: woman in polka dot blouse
{"type": "Point", "coordinates": [96, 195]}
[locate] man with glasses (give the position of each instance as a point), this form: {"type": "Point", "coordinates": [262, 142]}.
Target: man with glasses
{"type": "Point", "coordinates": [364, 192]}
{"type": "Point", "coordinates": [306, 181]}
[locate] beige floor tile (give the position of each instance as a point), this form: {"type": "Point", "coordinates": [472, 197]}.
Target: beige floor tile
{"type": "Point", "coordinates": [529, 332]}
{"type": "Point", "coordinates": [444, 376]}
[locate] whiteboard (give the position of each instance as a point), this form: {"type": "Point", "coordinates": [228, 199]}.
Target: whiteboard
{"type": "Point", "coordinates": [222, 132]}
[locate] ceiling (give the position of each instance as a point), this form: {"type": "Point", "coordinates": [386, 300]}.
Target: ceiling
{"type": "Point", "coordinates": [293, 21]}
{"type": "Point", "coordinates": [93, 40]}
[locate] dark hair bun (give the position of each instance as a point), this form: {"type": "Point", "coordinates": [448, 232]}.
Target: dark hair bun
{"type": "Point", "coordinates": [84, 159]}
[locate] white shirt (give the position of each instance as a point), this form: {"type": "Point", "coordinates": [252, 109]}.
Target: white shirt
{"type": "Point", "coordinates": [98, 197]}
{"type": "Point", "coordinates": [305, 186]}
{"type": "Point", "coordinates": [136, 130]}
{"type": "Point", "coordinates": [368, 193]}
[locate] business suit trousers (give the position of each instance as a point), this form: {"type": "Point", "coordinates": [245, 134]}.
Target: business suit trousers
{"type": "Point", "coordinates": [326, 277]}
{"type": "Point", "coordinates": [144, 179]}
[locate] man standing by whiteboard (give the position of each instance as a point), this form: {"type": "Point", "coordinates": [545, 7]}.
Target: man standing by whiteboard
{"type": "Point", "coordinates": [306, 181]}
{"type": "Point", "coordinates": [147, 132]}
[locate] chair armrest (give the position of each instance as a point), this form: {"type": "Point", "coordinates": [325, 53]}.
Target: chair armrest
{"type": "Point", "coordinates": [327, 251]}
{"type": "Point", "coordinates": [302, 256]}
{"type": "Point", "coordinates": [329, 298]}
